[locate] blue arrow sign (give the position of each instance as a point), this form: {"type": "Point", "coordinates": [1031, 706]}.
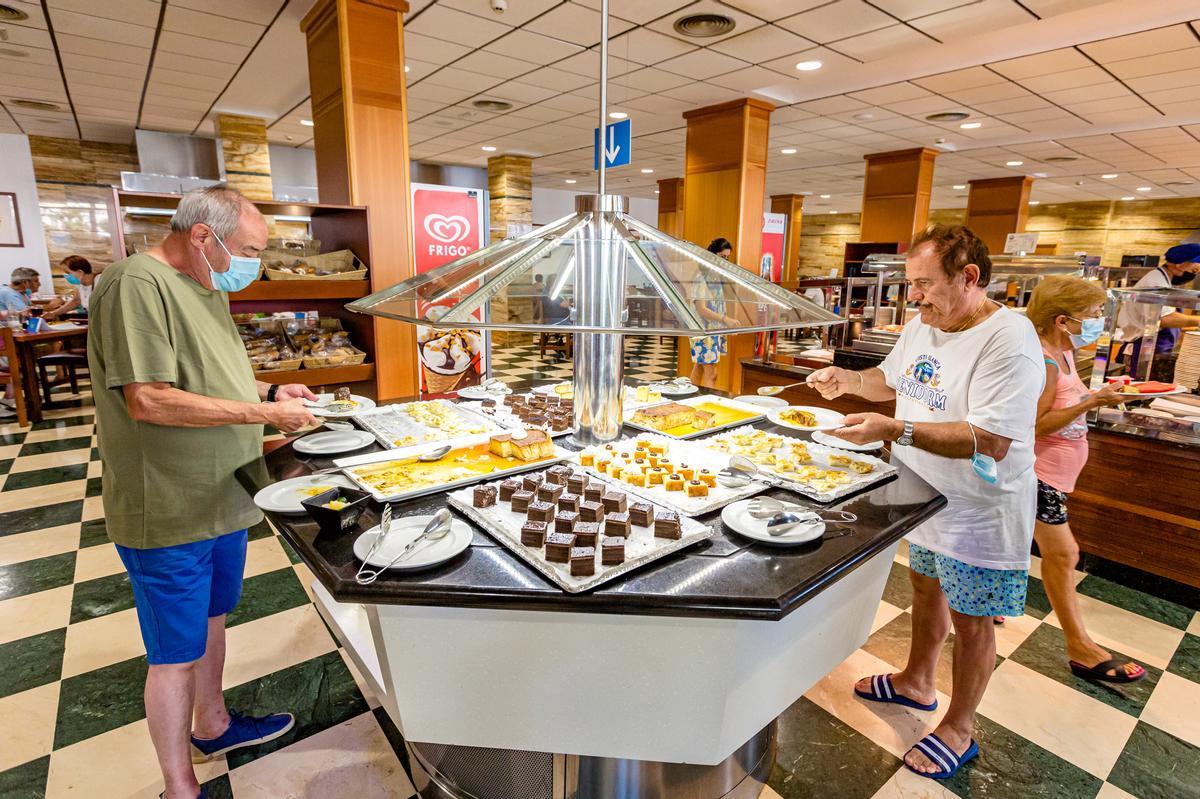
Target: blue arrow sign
{"type": "Point", "coordinates": [617, 145]}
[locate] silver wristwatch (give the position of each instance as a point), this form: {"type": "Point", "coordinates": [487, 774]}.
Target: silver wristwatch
{"type": "Point", "coordinates": [906, 438]}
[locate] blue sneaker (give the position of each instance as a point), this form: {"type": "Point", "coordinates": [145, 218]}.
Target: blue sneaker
{"type": "Point", "coordinates": [243, 731]}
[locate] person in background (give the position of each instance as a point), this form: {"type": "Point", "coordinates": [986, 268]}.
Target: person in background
{"type": "Point", "coordinates": [710, 304]}
{"type": "Point", "coordinates": [1179, 267]}
{"type": "Point", "coordinates": [80, 275]}
{"type": "Point", "coordinates": [961, 375]}
{"type": "Point", "coordinates": [1067, 314]}
{"type": "Point", "coordinates": [178, 411]}
{"type": "Point", "coordinates": [17, 296]}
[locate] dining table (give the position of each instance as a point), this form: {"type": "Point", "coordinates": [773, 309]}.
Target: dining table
{"type": "Point", "coordinates": [26, 345]}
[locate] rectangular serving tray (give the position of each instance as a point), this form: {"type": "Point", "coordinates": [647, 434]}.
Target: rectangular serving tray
{"type": "Point", "coordinates": [757, 414]}
{"type": "Point", "coordinates": [389, 424]}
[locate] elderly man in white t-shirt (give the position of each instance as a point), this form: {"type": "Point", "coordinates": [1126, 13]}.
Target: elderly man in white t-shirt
{"type": "Point", "coordinates": [965, 375]}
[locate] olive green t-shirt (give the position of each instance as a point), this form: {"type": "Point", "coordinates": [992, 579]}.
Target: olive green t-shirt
{"type": "Point", "coordinates": [167, 485]}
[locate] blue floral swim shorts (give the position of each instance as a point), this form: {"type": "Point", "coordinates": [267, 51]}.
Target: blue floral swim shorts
{"type": "Point", "coordinates": [972, 590]}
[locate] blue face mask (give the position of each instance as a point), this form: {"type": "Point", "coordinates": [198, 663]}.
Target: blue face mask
{"type": "Point", "coordinates": [241, 273]}
{"type": "Point", "coordinates": [1089, 331]}
{"type": "Point", "coordinates": [984, 465]}
{"type": "Point", "coordinates": [28, 293]}
{"type": "Point", "coordinates": [74, 281]}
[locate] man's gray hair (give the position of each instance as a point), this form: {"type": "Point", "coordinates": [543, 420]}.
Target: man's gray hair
{"type": "Point", "coordinates": [219, 207]}
{"type": "Point", "coordinates": [24, 274]}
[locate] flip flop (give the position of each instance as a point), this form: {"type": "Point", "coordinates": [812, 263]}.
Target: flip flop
{"type": "Point", "coordinates": [936, 750]}
{"type": "Point", "coordinates": [882, 690]}
{"type": "Point", "coordinates": [1101, 671]}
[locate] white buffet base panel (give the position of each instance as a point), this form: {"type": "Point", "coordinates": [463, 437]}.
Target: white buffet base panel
{"type": "Point", "coordinates": [660, 688]}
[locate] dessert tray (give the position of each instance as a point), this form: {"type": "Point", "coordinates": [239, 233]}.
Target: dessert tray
{"type": "Point", "coordinates": [413, 423]}
{"type": "Point", "coordinates": [648, 394]}
{"type": "Point", "coordinates": [396, 475]}
{"type": "Point", "coordinates": [686, 483]}
{"type": "Point", "coordinates": [822, 473]}
{"type": "Point", "coordinates": [539, 410]}
{"type": "Point", "coordinates": [573, 560]}
{"type": "Point", "coordinates": [698, 416]}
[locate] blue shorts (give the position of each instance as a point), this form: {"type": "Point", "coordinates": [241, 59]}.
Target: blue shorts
{"type": "Point", "coordinates": [177, 589]}
{"type": "Point", "coordinates": [972, 590]}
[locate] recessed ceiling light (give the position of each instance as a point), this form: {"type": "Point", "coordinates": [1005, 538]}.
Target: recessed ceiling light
{"type": "Point", "coordinates": [826, 196]}
{"type": "Point", "coordinates": [617, 114]}
{"type": "Point", "coordinates": [864, 115]}
{"type": "Point", "coordinates": [492, 105]}
{"type": "Point", "coordinates": [960, 186]}
{"type": "Point", "coordinates": [704, 26]}
{"type": "Point", "coordinates": [308, 123]}
{"type": "Point", "coordinates": [647, 171]}
{"type": "Point", "coordinates": [656, 191]}
{"type": "Point", "coordinates": [407, 67]}
{"type": "Point", "coordinates": [488, 148]}
{"type": "Point", "coordinates": [1143, 188]}
{"type": "Point", "coordinates": [1127, 199]}
{"type": "Point", "coordinates": [1014, 163]}
{"type": "Point", "coordinates": [570, 180]}
{"type": "Point", "coordinates": [10, 14]}
{"type": "Point", "coordinates": [1035, 202]}
{"type": "Point", "coordinates": [948, 116]}
{"type": "Point", "coordinates": [833, 212]}
{"type": "Point", "coordinates": [809, 66]}
{"type": "Point", "coordinates": [13, 53]}
{"type": "Point", "coordinates": [1109, 176]}
{"type": "Point", "coordinates": [971, 125]}
{"type": "Point", "coordinates": [788, 151]}
{"type": "Point", "coordinates": [35, 105]}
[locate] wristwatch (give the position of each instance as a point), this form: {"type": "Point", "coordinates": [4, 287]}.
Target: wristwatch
{"type": "Point", "coordinates": [906, 438]}
{"type": "Point", "coordinates": [271, 392]}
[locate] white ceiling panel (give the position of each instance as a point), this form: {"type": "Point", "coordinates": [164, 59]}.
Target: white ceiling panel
{"type": "Point", "coordinates": [742, 22]}
{"type": "Point", "coordinates": [431, 50]}
{"type": "Point", "coordinates": [644, 46]}
{"type": "Point", "coordinates": [747, 80]}
{"type": "Point", "coordinates": [971, 18]}
{"type": "Point", "coordinates": [494, 66]}
{"type": "Point", "coordinates": [1070, 79]}
{"type": "Point", "coordinates": [911, 9]}
{"type": "Point", "coordinates": [210, 26]}
{"type": "Point", "coordinates": [701, 64]}
{"type": "Point", "coordinates": [73, 62]}
{"type": "Point", "coordinates": [259, 11]}
{"type": "Point", "coordinates": [882, 43]}
{"type": "Point", "coordinates": [764, 43]}
{"type": "Point", "coordinates": [772, 10]}
{"type": "Point", "coordinates": [838, 20]}
{"type": "Point", "coordinates": [199, 47]}
{"type": "Point", "coordinates": [442, 22]}
{"type": "Point", "coordinates": [526, 45]}
{"type": "Point", "coordinates": [137, 12]}
{"type": "Point", "coordinates": [101, 28]}
{"type": "Point", "coordinates": [576, 24]}
{"type": "Point", "coordinates": [186, 63]}
{"type": "Point", "coordinates": [111, 51]}
{"type": "Point", "coordinates": [518, 12]}
{"type": "Point", "coordinates": [1146, 66]}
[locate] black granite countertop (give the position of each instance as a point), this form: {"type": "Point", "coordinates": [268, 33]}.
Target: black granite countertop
{"type": "Point", "coordinates": [727, 576]}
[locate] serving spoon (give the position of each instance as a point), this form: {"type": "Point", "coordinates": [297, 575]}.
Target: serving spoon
{"type": "Point", "coordinates": [771, 391]}
{"type": "Point", "coordinates": [769, 507]}
{"type": "Point", "coordinates": [437, 529]}
{"type": "Point", "coordinates": [427, 457]}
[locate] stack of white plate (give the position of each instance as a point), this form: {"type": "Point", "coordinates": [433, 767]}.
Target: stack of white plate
{"type": "Point", "coordinates": [1187, 367]}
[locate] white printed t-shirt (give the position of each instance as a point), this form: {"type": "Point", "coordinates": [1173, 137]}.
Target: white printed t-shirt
{"type": "Point", "coordinates": [991, 376]}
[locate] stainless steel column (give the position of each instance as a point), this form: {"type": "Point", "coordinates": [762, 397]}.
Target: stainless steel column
{"type": "Point", "coordinates": [599, 302]}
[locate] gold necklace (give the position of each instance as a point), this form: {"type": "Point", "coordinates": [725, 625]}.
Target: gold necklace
{"type": "Point", "coordinates": [967, 324]}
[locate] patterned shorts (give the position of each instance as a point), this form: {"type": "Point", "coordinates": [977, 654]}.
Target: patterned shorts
{"type": "Point", "coordinates": [972, 590]}
{"type": "Point", "coordinates": [1051, 504]}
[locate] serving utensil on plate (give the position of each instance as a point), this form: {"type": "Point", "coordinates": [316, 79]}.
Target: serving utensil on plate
{"type": "Point", "coordinates": [769, 507]}
{"type": "Point", "coordinates": [437, 528]}
{"type": "Point", "coordinates": [784, 522]}
{"type": "Point", "coordinates": [385, 523]}
{"type": "Point", "coordinates": [338, 425]}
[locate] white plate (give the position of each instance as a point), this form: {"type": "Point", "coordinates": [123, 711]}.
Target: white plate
{"type": "Point", "coordinates": [364, 404]}
{"type": "Point", "coordinates": [694, 402]}
{"type": "Point", "coordinates": [333, 442]}
{"type": "Point", "coordinates": [669, 390]}
{"type": "Point", "coordinates": [737, 518]}
{"type": "Point", "coordinates": [480, 393]}
{"type": "Point", "coordinates": [761, 401]}
{"type": "Point", "coordinates": [285, 496]}
{"type": "Point", "coordinates": [841, 443]}
{"type": "Point", "coordinates": [826, 419]}
{"type": "Point", "coordinates": [424, 555]}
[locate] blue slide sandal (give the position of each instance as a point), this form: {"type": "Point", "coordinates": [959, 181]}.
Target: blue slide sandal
{"type": "Point", "coordinates": [882, 690]}
{"type": "Point", "coordinates": [936, 750]}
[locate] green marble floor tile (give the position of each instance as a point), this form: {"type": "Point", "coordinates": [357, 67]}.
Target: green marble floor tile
{"type": "Point", "coordinates": [24, 521]}
{"type": "Point", "coordinates": [218, 788]}
{"type": "Point", "coordinates": [8, 439]}
{"type": "Point", "coordinates": [26, 781]}
{"type": "Point", "coordinates": [898, 590]}
{"type": "Point", "coordinates": [41, 574]}
{"type": "Point", "coordinates": [5, 465]}
{"type": "Point", "coordinates": [820, 756]}
{"type": "Point", "coordinates": [1131, 599]}
{"type": "Point", "coordinates": [1044, 651]}
{"type": "Point", "coordinates": [101, 700]}
{"type": "Point", "coordinates": [93, 533]}
{"type": "Point", "coordinates": [45, 477]}
{"type": "Point", "coordinates": [1157, 765]}
{"type": "Point", "coordinates": [29, 662]}
{"type": "Point", "coordinates": [265, 594]}
{"type": "Point", "coordinates": [94, 487]}
{"type": "Point", "coordinates": [95, 456]}
{"type": "Point", "coordinates": [1037, 604]}
{"type": "Point", "coordinates": [320, 693]}
{"type": "Point", "coordinates": [394, 736]}
{"type": "Point", "coordinates": [59, 445]}
{"type": "Point", "coordinates": [287, 550]}
{"type": "Point", "coordinates": [891, 643]}
{"type": "Point", "coordinates": [66, 421]}
{"type": "Point", "coordinates": [1008, 767]}
{"type": "Point", "coordinates": [260, 530]}
{"type": "Point", "coordinates": [100, 597]}
{"type": "Point", "coordinates": [1186, 662]}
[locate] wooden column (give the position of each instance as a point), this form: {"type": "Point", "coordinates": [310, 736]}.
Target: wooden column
{"type": "Point", "coordinates": [670, 206]}
{"type": "Point", "coordinates": [725, 179]}
{"type": "Point", "coordinates": [510, 211]}
{"type": "Point", "coordinates": [360, 134]}
{"type": "Point", "coordinates": [793, 206]}
{"type": "Point", "coordinates": [245, 152]}
{"type": "Point", "coordinates": [997, 207]}
{"type": "Point", "coordinates": [896, 195]}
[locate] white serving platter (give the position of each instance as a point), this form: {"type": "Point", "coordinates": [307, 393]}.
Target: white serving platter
{"type": "Point", "coordinates": [285, 496]}
{"type": "Point", "coordinates": [737, 518]}
{"type": "Point", "coordinates": [333, 442]}
{"type": "Point", "coordinates": [762, 401]}
{"type": "Point", "coordinates": [403, 533]}
{"type": "Point", "coordinates": [756, 413]}
{"type": "Point", "coordinates": [394, 427]}
{"type": "Point", "coordinates": [826, 419]}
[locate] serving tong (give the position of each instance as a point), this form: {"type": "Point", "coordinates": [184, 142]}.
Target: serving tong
{"type": "Point", "coordinates": [437, 529]}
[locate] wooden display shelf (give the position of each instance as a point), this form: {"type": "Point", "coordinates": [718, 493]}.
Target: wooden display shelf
{"type": "Point", "coordinates": [147, 199]}
{"type": "Point", "coordinates": [328, 376]}
{"type": "Point", "coordinates": [303, 290]}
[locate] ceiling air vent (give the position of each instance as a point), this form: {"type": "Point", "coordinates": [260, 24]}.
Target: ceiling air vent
{"type": "Point", "coordinates": [35, 105]}
{"type": "Point", "coordinates": [1179, 183]}
{"type": "Point", "coordinates": [492, 105]}
{"type": "Point", "coordinates": [10, 14]}
{"type": "Point", "coordinates": [948, 116]}
{"type": "Point", "coordinates": [704, 26]}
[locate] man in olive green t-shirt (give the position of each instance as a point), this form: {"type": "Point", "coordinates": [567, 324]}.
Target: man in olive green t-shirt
{"type": "Point", "coordinates": [177, 412]}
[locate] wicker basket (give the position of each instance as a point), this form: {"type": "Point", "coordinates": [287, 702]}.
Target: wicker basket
{"type": "Point", "coordinates": [342, 265]}
{"type": "Point", "coordinates": [275, 328]}
{"type": "Point", "coordinates": [322, 362]}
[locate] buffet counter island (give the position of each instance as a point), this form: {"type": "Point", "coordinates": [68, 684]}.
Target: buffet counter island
{"type": "Point", "coordinates": [661, 682]}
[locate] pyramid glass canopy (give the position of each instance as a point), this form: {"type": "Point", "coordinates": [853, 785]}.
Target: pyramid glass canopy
{"type": "Point", "coordinates": [601, 271]}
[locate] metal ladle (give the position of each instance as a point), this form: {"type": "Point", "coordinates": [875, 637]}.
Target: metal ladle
{"type": "Point", "coordinates": [437, 529]}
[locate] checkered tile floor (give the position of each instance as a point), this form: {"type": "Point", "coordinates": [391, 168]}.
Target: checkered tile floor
{"type": "Point", "coordinates": [647, 358]}
{"type": "Point", "coordinates": [72, 665]}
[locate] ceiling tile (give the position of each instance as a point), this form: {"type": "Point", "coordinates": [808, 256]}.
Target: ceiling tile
{"type": "Point", "coordinates": [1147, 43]}
{"type": "Point", "coordinates": [210, 26]}
{"type": "Point", "coordinates": [891, 93]}
{"type": "Point", "coordinates": [882, 43]}
{"type": "Point", "coordinates": [644, 46]}
{"type": "Point", "coordinates": [970, 19]}
{"type": "Point", "coordinates": [260, 11]}
{"type": "Point", "coordinates": [518, 13]}
{"type": "Point", "coordinates": [1158, 64]}
{"type": "Point", "coordinates": [701, 94]}
{"type": "Point", "coordinates": [522, 92]}
{"type": "Point", "coordinates": [651, 79]}
{"type": "Point", "coordinates": [701, 64]}
{"type": "Point", "coordinates": [1046, 63]}
{"type": "Point", "coordinates": [837, 20]}
{"type": "Point", "coordinates": [97, 48]}
{"type": "Point", "coordinates": [639, 11]}
{"type": "Point", "coordinates": [211, 49]}
{"type": "Point", "coordinates": [447, 24]}
{"type": "Point", "coordinates": [137, 12]}
{"type": "Point", "coordinates": [73, 62]}
{"type": "Point", "coordinates": [186, 63]}
{"type": "Point", "coordinates": [431, 50]}
{"type": "Point", "coordinates": [494, 66]}
{"type": "Point", "coordinates": [772, 10]}
{"type": "Point", "coordinates": [763, 44]}
{"type": "Point", "coordinates": [526, 45]}
{"type": "Point", "coordinates": [746, 80]}
{"type": "Point", "coordinates": [587, 63]}
{"type": "Point", "coordinates": [180, 79]}
{"type": "Point", "coordinates": [557, 79]}
{"type": "Point", "coordinates": [576, 24]}
{"type": "Point", "coordinates": [1070, 79]}
{"type": "Point", "coordinates": [99, 28]}
{"type": "Point", "coordinates": [911, 9]}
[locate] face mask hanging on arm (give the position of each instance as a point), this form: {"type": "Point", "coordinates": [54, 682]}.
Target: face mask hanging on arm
{"type": "Point", "coordinates": [241, 273]}
{"type": "Point", "coordinates": [984, 465]}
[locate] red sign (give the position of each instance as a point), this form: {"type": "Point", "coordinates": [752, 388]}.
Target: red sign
{"type": "Point", "coordinates": [774, 226]}
{"type": "Point", "coordinates": [447, 225]}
